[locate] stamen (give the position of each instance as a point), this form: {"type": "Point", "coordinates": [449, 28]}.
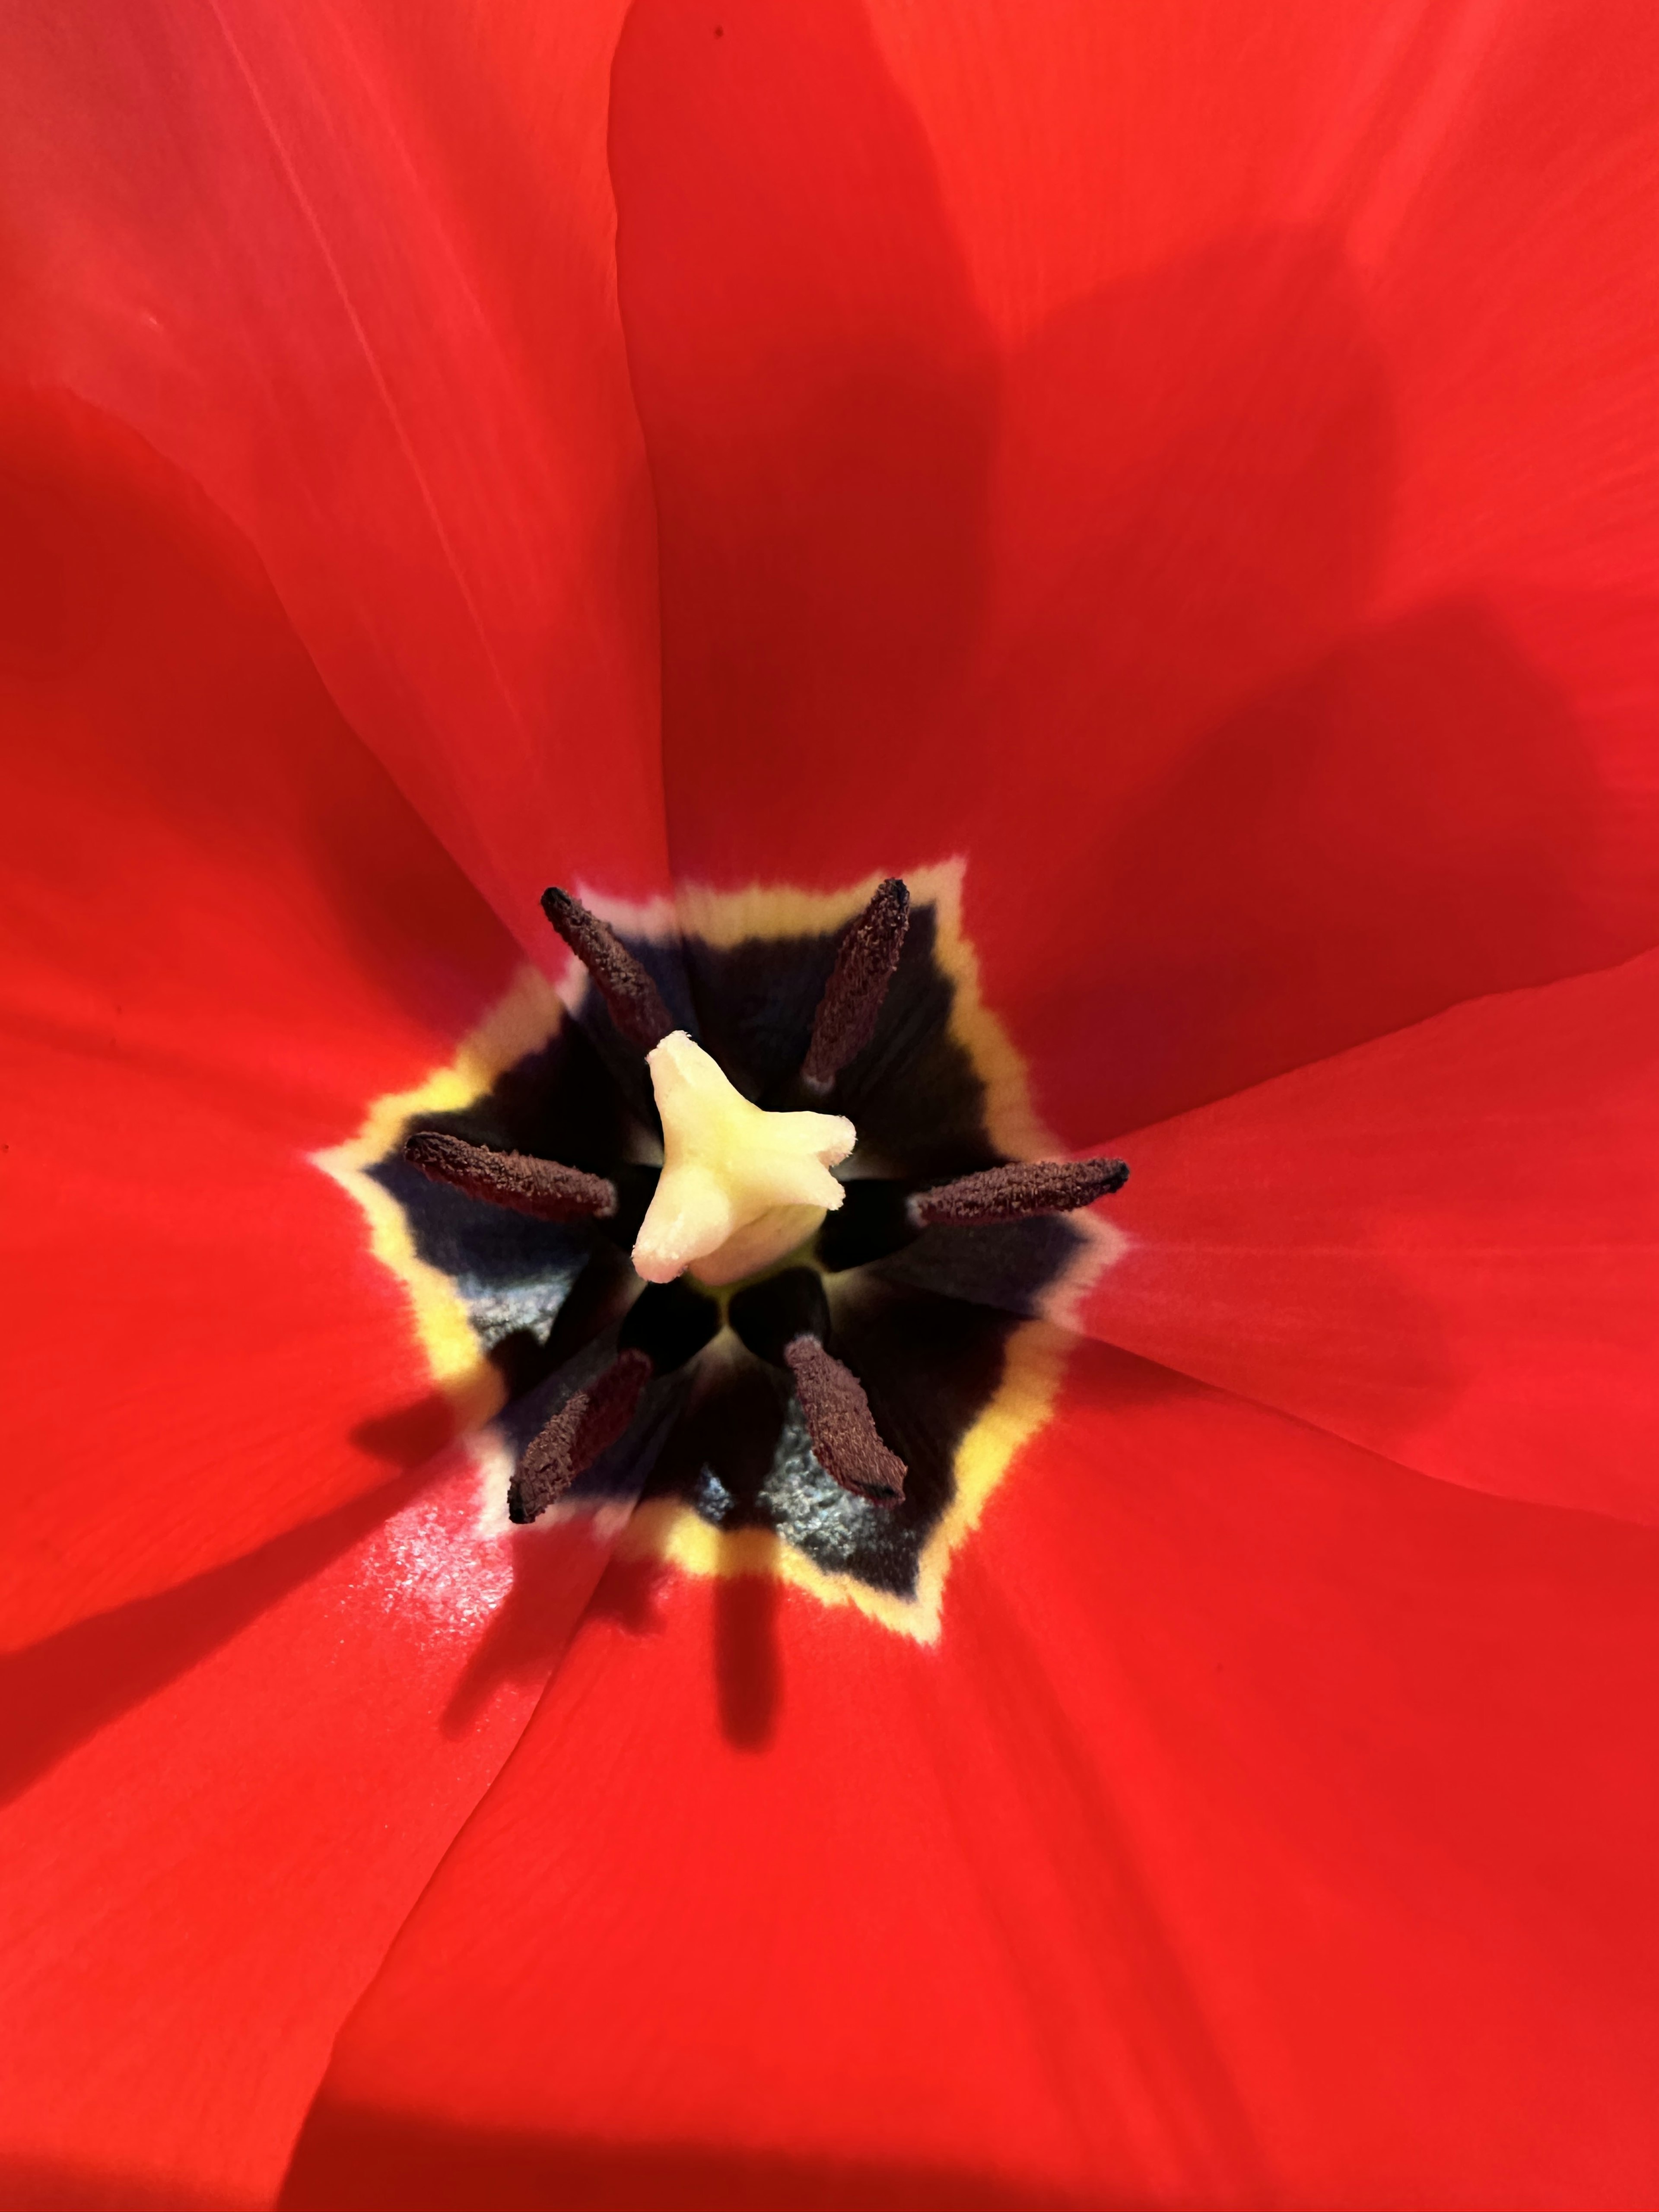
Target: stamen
{"type": "Point", "coordinates": [868, 954]}
{"type": "Point", "coordinates": [542, 1187]}
{"type": "Point", "coordinates": [636, 1003]}
{"type": "Point", "coordinates": [587, 1422]}
{"type": "Point", "coordinates": [840, 1424]}
{"type": "Point", "coordinates": [1014, 1193]}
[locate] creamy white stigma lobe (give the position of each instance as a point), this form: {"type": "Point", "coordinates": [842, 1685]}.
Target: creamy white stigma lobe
{"type": "Point", "coordinates": [740, 1187]}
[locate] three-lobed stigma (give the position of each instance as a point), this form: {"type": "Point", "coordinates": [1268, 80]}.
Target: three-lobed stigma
{"type": "Point", "coordinates": [740, 1187]}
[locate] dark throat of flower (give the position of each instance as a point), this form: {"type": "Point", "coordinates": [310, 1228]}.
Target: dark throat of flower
{"type": "Point", "coordinates": [781, 1317]}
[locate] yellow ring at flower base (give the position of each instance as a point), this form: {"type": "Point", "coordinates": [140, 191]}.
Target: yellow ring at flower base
{"type": "Point", "coordinates": [526, 1017]}
{"type": "Point", "coordinates": [671, 1529]}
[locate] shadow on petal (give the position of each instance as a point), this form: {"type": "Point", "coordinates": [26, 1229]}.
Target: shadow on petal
{"type": "Point", "coordinates": [748, 1679]}
{"type": "Point", "coordinates": [35, 2186]}
{"type": "Point", "coordinates": [59, 1692]}
{"type": "Point", "coordinates": [556, 1570]}
{"type": "Point", "coordinates": [349, 2158]}
{"type": "Point", "coordinates": [143, 624]}
{"type": "Point", "coordinates": [412, 1435]}
{"type": "Point", "coordinates": [1410, 823]}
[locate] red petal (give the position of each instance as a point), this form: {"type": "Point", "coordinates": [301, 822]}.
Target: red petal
{"type": "Point", "coordinates": [1441, 1245]}
{"type": "Point", "coordinates": [1078, 444]}
{"type": "Point", "coordinates": [351, 267]}
{"type": "Point", "coordinates": [229, 1798]}
{"type": "Point", "coordinates": [1271, 1824]}
{"type": "Point", "coordinates": [819, 395]}
{"type": "Point", "coordinates": [230, 935]}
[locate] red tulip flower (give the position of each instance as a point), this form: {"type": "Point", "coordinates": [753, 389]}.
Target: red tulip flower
{"type": "Point", "coordinates": [1178, 486]}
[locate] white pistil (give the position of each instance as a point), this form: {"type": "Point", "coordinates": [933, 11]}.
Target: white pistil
{"type": "Point", "coordinates": [740, 1187]}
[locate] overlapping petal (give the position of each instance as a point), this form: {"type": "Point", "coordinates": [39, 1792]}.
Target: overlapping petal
{"type": "Point", "coordinates": [216, 1806]}
{"type": "Point", "coordinates": [1262, 1830]}
{"type": "Point", "coordinates": [1444, 1245]}
{"type": "Point", "coordinates": [226, 934]}
{"type": "Point", "coordinates": [350, 265]}
{"type": "Point", "coordinates": [1182, 461]}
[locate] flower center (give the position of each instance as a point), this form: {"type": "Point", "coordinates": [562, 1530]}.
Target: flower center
{"type": "Point", "coordinates": [745, 1248]}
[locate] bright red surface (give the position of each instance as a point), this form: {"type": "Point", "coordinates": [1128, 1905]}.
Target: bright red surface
{"type": "Point", "coordinates": [351, 267]}
{"type": "Point", "coordinates": [282, 1672]}
{"type": "Point", "coordinates": [1440, 1244]}
{"type": "Point", "coordinates": [1197, 461]}
{"type": "Point", "coordinates": [1265, 1830]}
{"type": "Point", "coordinates": [226, 934]}
{"type": "Point", "coordinates": [1199, 466]}
{"type": "Point", "coordinates": [216, 1807]}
